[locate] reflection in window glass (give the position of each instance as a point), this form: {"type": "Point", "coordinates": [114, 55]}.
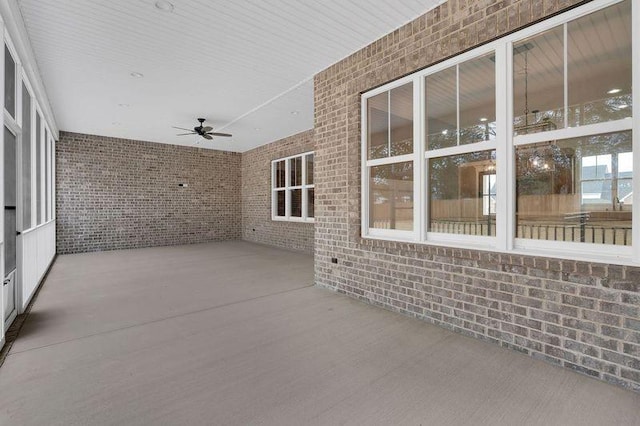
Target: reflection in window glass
{"type": "Point", "coordinates": [296, 203]}
{"type": "Point", "coordinates": [477, 100]}
{"type": "Point", "coordinates": [10, 182]}
{"type": "Point", "coordinates": [538, 83]}
{"type": "Point", "coordinates": [311, 202]}
{"type": "Point", "coordinates": [281, 203]}
{"type": "Point", "coordinates": [401, 120]}
{"type": "Point", "coordinates": [599, 66]}
{"type": "Point", "coordinates": [488, 192]}
{"type": "Point", "coordinates": [309, 169]}
{"type": "Point", "coordinates": [26, 159]}
{"type": "Point", "coordinates": [47, 150]}
{"type": "Point", "coordinates": [576, 190]}
{"type": "Point", "coordinates": [378, 125]}
{"type": "Point", "coordinates": [280, 174]}
{"type": "Point", "coordinates": [9, 83]}
{"type": "Point", "coordinates": [462, 194]}
{"type": "Point", "coordinates": [391, 196]}
{"type": "Point", "coordinates": [390, 123]}
{"type": "Point", "coordinates": [441, 106]}
{"type": "Point", "coordinates": [295, 170]}
{"type": "Point", "coordinates": [38, 171]}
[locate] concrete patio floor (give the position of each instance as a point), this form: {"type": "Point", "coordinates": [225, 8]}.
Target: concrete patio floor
{"type": "Point", "coordinates": [234, 334]}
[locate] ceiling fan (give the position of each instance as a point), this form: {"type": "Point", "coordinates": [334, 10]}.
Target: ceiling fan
{"type": "Point", "coordinates": [204, 131]}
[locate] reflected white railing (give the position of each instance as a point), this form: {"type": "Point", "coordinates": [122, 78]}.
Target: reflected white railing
{"type": "Point", "coordinates": [595, 233]}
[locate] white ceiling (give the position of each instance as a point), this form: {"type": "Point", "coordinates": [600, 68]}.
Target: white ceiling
{"type": "Point", "coordinates": [247, 66]}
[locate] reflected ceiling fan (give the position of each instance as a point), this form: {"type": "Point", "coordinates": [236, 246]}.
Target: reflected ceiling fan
{"type": "Point", "coordinates": [204, 131]}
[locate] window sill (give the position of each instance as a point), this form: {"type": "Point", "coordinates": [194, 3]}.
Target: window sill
{"type": "Point", "coordinates": [292, 219]}
{"type": "Point", "coordinates": [563, 251]}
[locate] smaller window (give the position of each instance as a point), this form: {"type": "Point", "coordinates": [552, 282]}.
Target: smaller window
{"type": "Point", "coordinates": [292, 188]}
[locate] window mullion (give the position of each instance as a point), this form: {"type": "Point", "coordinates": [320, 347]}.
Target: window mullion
{"type": "Point", "coordinates": [418, 158]}
{"type": "Point", "coordinates": [364, 170]}
{"type": "Point", "coordinates": [635, 83]}
{"type": "Point", "coordinates": [505, 168]}
{"type": "Point", "coordinates": [458, 104]}
{"type": "Point", "coordinates": [565, 57]}
{"type": "Point", "coordinates": [389, 123]}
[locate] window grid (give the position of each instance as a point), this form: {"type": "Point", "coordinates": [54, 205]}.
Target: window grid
{"type": "Point", "coordinates": [288, 190]}
{"type": "Point", "coordinates": [504, 144]}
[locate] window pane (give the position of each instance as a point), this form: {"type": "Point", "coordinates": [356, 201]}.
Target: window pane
{"type": "Point", "coordinates": [295, 169]}
{"type": "Point", "coordinates": [401, 119]}
{"type": "Point", "coordinates": [391, 196]}
{"type": "Point", "coordinates": [441, 105]}
{"type": "Point", "coordinates": [47, 147]}
{"type": "Point", "coordinates": [538, 83]}
{"type": "Point", "coordinates": [599, 66]}
{"type": "Point", "coordinates": [9, 201]}
{"type": "Point", "coordinates": [390, 122]}
{"type": "Point", "coordinates": [38, 172]}
{"type": "Point", "coordinates": [378, 125]}
{"type": "Point", "coordinates": [26, 159]}
{"type": "Point", "coordinates": [280, 174]}
{"type": "Point", "coordinates": [309, 169]}
{"type": "Point", "coordinates": [9, 83]}
{"type": "Point", "coordinates": [477, 100]}
{"type": "Point", "coordinates": [281, 203]}
{"type": "Point", "coordinates": [463, 194]}
{"type": "Point", "coordinates": [576, 190]}
{"type": "Point", "coordinates": [310, 202]}
{"type": "Point", "coordinates": [296, 202]}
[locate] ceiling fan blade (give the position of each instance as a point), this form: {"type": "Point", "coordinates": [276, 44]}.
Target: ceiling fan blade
{"type": "Point", "coordinates": [207, 129]}
{"type": "Point", "coordinates": [226, 135]}
{"type": "Point", "coordinates": [182, 128]}
{"type": "Point", "coordinates": [207, 136]}
{"type": "Point", "coordinates": [184, 134]}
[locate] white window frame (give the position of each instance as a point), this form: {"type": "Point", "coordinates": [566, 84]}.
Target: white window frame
{"type": "Point", "coordinates": [287, 190]}
{"type": "Point", "coordinates": [505, 144]}
{"type": "Point", "coordinates": [400, 235]}
{"type": "Point", "coordinates": [31, 141]}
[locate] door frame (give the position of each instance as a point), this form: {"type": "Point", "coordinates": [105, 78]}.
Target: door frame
{"type": "Point", "coordinates": [12, 126]}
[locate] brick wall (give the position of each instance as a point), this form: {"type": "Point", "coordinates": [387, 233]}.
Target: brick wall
{"type": "Point", "coordinates": [584, 316]}
{"type": "Point", "coordinates": [257, 225]}
{"type": "Point", "coordinates": [116, 193]}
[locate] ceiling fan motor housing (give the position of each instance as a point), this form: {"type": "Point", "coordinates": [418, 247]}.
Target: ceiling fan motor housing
{"type": "Point", "coordinates": [198, 129]}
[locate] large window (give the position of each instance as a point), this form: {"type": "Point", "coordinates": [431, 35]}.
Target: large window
{"type": "Point", "coordinates": [26, 158]}
{"type": "Point", "coordinates": [292, 188]}
{"type": "Point", "coordinates": [390, 159]}
{"type": "Point", "coordinates": [460, 146]}
{"type": "Point", "coordinates": [526, 143]}
{"type": "Point", "coordinates": [47, 178]}
{"type": "Point", "coordinates": [38, 164]}
{"type": "Point", "coordinates": [9, 83]}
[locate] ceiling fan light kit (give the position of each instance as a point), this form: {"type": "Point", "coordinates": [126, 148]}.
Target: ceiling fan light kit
{"type": "Point", "coordinates": [202, 130]}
